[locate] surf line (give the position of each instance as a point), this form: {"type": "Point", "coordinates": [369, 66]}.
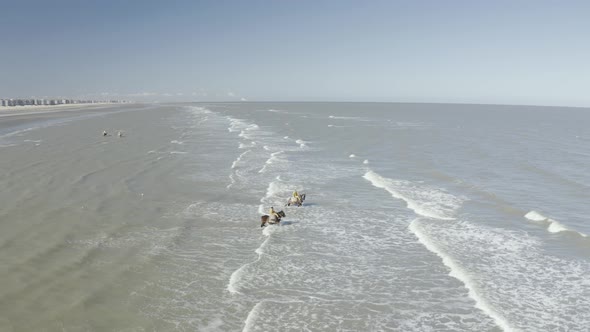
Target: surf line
{"type": "Point", "coordinates": [233, 166]}
{"type": "Point", "coordinates": [403, 190]}
{"type": "Point", "coordinates": [236, 276]}
{"type": "Point", "coordinates": [255, 312]}
{"type": "Point", "coordinates": [456, 270]}
{"type": "Point", "coordinates": [232, 181]}
{"type": "Point", "coordinates": [553, 226]}
{"type": "Point", "coordinates": [235, 163]}
{"type": "Point", "coordinates": [252, 316]}
{"type": "Point", "coordinates": [273, 157]}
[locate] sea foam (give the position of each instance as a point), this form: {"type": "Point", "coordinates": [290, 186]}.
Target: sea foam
{"type": "Point", "coordinates": [505, 269]}
{"type": "Point", "coordinates": [273, 189]}
{"type": "Point", "coordinates": [553, 226]}
{"type": "Point", "coordinates": [459, 273]}
{"type": "Point", "coordinates": [423, 200]}
{"type": "Point", "coordinates": [235, 163]}
{"type": "Point", "coordinates": [273, 158]}
{"type": "Point", "coordinates": [302, 143]}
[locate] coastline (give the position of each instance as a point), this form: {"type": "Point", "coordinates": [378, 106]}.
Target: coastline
{"type": "Point", "coordinates": [6, 111]}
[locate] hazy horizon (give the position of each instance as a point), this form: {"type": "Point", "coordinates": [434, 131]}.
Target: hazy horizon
{"type": "Point", "coordinates": [222, 101]}
{"type": "Point", "coordinates": [501, 53]}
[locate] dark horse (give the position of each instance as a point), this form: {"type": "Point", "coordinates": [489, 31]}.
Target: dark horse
{"type": "Point", "coordinates": [273, 220]}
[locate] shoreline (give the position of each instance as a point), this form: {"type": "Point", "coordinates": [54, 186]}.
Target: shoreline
{"type": "Point", "coordinates": [6, 111]}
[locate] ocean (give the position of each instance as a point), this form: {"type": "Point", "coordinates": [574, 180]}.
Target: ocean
{"type": "Point", "coordinates": [418, 217]}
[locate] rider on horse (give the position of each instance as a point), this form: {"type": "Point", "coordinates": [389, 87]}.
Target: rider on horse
{"type": "Point", "coordinates": [297, 197]}
{"type": "Point", "coordinates": [274, 214]}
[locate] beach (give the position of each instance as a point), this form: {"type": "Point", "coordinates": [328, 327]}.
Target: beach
{"type": "Point", "coordinates": [417, 217]}
{"type": "Point", "coordinates": [39, 109]}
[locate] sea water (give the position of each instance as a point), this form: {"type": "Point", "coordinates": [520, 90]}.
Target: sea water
{"type": "Point", "coordinates": [418, 217]}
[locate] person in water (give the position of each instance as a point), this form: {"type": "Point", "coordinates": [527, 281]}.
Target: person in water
{"type": "Point", "coordinates": [273, 213]}
{"type": "Point", "coordinates": [104, 133]}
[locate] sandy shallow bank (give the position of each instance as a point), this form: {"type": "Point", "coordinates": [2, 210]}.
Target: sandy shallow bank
{"type": "Point", "coordinates": [30, 109]}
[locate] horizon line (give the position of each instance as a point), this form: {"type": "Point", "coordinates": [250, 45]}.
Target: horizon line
{"type": "Point", "coordinates": [358, 102]}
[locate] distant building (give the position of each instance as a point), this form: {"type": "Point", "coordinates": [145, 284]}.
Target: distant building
{"type": "Point", "coordinates": [43, 101]}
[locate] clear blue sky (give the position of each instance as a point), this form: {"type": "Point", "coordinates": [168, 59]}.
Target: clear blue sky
{"type": "Point", "coordinates": [508, 52]}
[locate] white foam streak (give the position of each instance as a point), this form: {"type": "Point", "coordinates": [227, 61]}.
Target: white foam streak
{"type": "Point", "coordinates": [428, 202]}
{"type": "Point", "coordinates": [535, 216]}
{"type": "Point", "coordinates": [242, 126]}
{"type": "Point", "coordinates": [252, 316]}
{"type": "Point", "coordinates": [233, 181]}
{"type": "Point", "coordinates": [197, 110]}
{"type": "Point", "coordinates": [273, 188]}
{"type": "Point", "coordinates": [457, 272]}
{"type": "Point", "coordinates": [302, 143]}
{"type": "Point", "coordinates": [234, 280]}
{"type": "Point", "coordinates": [247, 146]}
{"type": "Point", "coordinates": [554, 226]}
{"type": "Point", "coordinates": [273, 158]}
{"type": "Point", "coordinates": [235, 163]}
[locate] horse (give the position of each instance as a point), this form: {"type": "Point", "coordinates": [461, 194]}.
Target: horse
{"type": "Point", "coordinates": [294, 201]}
{"type": "Point", "coordinates": [273, 220]}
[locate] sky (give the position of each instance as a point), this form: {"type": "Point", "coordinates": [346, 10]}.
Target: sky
{"type": "Point", "coordinates": [491, 52]}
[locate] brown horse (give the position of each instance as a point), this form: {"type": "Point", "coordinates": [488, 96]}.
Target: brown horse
{"type": "Point", "coordinates": [274, 220]}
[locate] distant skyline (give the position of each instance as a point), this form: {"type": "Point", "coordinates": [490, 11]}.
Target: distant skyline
{"type": "Point", "coordinates": [496, 52]}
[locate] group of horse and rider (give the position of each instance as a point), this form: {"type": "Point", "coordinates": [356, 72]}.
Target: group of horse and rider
{"type": "Point", "coordinates": [274, 217]}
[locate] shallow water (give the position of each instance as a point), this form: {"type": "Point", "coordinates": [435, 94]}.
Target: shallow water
{"type": "Point", "coordinates": [418, 217]}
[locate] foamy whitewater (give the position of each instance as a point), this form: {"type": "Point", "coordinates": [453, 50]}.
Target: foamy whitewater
{"type": "Point", "coordinates": [418, 217]}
